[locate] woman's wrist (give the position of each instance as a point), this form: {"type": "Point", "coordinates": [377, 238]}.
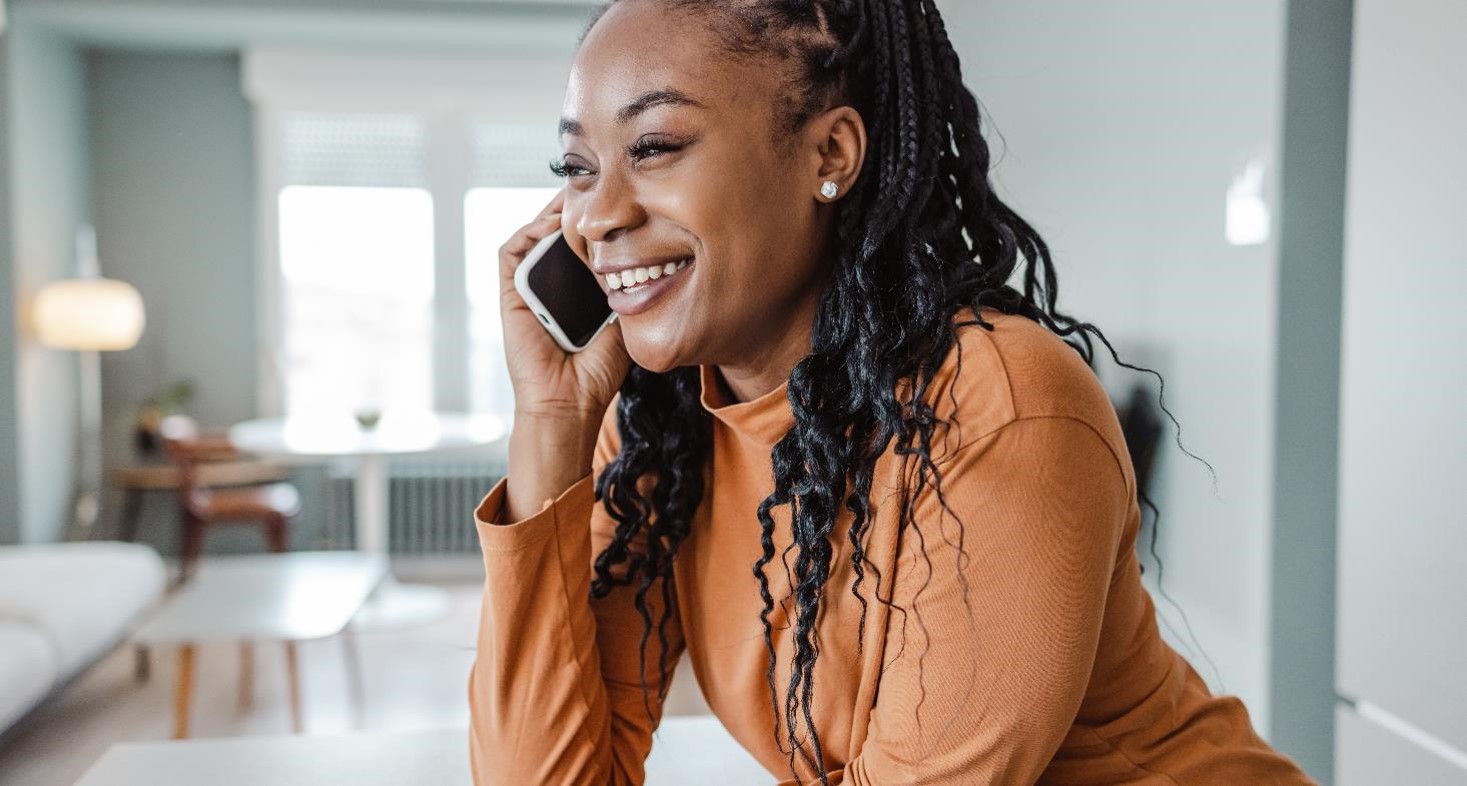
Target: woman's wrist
{"type": "Point", "coordinates": [547, 455]}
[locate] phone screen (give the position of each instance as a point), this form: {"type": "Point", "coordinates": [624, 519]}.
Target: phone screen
{"type": "Point", "coordinates": [570, 292]}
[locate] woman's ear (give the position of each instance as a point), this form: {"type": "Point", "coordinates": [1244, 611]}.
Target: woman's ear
{"type": "Point", "coordinates": [839, 145]}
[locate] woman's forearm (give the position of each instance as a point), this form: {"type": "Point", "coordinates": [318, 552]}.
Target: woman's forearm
{"type": "Point", "coordinates": [537, 706]}
{"type": "Point", "coordinates": [545, 704]}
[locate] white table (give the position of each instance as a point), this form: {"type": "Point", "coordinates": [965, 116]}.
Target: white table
{"type": "Point", "coordinates": [686, 750]}
{"type": "Point", "coordinates": [326, 437]}
{"type": "Point", "coordinates": [291, 597]}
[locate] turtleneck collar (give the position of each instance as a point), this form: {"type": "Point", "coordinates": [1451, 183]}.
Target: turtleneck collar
{"type": "Point", "coordinates": [764, 419]}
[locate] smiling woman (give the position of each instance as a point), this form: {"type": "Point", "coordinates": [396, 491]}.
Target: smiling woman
{"type": "Point", "coordinates": [826, 444]}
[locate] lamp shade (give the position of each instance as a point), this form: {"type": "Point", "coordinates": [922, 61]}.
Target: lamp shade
{"type": "Point", "coordinates": [88, 314]}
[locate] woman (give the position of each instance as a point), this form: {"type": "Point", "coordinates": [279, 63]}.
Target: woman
{"type": "Point", "coordinates": [825, 452]}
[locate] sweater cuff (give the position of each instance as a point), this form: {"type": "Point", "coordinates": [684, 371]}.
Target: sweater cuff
{"type": "Point", "coordinates": [495, 534]}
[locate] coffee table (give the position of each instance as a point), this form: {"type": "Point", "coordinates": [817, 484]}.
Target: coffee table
{"type": "Point", "coordinates": [264, 597]}
{"type": "Point", "coordinates": [685, 750]}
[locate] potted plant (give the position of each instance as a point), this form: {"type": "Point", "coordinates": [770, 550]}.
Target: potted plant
{"type": "Point", "coordinates": [172, 400]}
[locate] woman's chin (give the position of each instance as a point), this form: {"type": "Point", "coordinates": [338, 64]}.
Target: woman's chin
{"type": "Point", "coordinates": [657, 354]}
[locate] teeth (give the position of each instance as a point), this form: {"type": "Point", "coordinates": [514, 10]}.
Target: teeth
{"type": "Point", "coordinates": [635, 276]}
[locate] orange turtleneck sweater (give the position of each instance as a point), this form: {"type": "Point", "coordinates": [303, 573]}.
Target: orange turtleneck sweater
{"type": "Point", "coordinates": [1048, 668]}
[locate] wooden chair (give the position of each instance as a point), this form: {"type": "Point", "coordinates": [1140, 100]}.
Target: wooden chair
{"type": "Point", "coordinates": [272, 506]}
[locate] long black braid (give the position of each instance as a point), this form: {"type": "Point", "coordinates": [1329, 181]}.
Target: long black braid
{"type": "Point", "coordinates": [920, 238]}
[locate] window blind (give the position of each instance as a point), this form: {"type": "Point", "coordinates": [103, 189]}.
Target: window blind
{"type": "Point", "coordinates": [354, 149]}
{"type": "Point", "coordinates": [512, 155]}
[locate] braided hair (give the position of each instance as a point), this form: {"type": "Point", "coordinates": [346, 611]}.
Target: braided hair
{"type": "Point", "coordinates": [919, 238]}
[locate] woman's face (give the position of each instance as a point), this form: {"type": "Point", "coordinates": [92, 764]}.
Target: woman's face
{"type": "Point", "coordinates": [670, 148]}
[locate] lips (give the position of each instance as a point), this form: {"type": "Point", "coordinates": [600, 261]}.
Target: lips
{"type": "Point", "coordinates": [631, 297]}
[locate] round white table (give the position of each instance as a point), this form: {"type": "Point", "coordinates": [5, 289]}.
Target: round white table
{"type": "Point", "coordinates": [313, 438]}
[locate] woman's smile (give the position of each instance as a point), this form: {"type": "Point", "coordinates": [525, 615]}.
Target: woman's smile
{"type": "Point", "coordinates": [635, 290]}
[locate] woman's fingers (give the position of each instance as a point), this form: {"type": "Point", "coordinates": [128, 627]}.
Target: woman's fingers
{"type": "Point", "coordinates": [605, 363]}
{"type": "Point", "coordinates": [519, 244]}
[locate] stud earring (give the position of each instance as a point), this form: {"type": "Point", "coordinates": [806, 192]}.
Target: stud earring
{"type": "Point", "coordinates": [828, 189]}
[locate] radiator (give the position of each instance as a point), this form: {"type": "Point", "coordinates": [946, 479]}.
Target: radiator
{"type": "Point", "coordinates": [430, 505]}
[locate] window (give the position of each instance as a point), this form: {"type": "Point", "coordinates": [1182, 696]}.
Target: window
{"type": "Point", "coordinates": [357, 270]}
{"type": "Point", "coordinates": [356, 263]}
{"type": "Point", "coordinates": [384, 227]}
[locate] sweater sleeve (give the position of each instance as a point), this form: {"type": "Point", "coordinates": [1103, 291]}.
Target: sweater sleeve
{"type": "Point", "coordinates": [555, 691]}
{"type": "Point", "coordinates": [983, 681]}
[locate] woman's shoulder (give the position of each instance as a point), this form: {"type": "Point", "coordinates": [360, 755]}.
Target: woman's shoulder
{"type": "Point", "coordinates": [1019, 369]}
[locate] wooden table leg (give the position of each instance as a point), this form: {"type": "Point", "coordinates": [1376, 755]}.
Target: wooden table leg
{"type": "Point", "coordinates": [354, 676]}
{"type": "Point", "coordinates": [246, 675]}
{"type": "Point", "coordinates": [181, 700]}
{"type": "Point", "coordinates": [293, 677]}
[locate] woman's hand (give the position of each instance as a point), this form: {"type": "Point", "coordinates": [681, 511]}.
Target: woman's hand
{"type": "Point", "coordinates": [560, 397]}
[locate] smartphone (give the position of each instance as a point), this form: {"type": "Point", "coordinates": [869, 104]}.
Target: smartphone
{"type": "Point", "coordinates": [563, 293]}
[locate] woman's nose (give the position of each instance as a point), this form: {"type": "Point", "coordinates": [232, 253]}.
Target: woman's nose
{"type": "Point", "coordinates": [607, 209]}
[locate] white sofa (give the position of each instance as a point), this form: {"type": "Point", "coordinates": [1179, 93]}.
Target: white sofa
{"type": "Point", "coordinates": [63, 606]}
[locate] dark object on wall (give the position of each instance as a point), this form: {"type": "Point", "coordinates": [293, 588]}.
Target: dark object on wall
{"type": "Point", "coordinates": [1141, 427]}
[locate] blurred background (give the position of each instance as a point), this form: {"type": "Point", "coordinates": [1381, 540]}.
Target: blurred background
{"type": "Point", "coordinates": [247, 256]}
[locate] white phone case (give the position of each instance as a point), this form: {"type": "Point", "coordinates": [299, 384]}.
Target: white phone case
{"type": "Point", "coordinates": [547, 320]}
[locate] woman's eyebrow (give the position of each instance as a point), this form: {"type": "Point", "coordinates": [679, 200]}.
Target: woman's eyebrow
{"type": "Point", "coordinates": [638, 105]}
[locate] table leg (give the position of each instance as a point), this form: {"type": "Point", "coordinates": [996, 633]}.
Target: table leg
{"type": "Point", "coordinates": [293, 678]}
{"type": "Point", "coordinates": [392, 605]}
{"type": "Point", "coordinates": [369, 492]}
{"type": "Point", "coordinates": [246, 675]}
{"type": "Point", "coordinates": [184, 696]}
{"type": "Point", "coordinates": [355, 687]}
{"type": "Point", "coordinates": [132, 512]}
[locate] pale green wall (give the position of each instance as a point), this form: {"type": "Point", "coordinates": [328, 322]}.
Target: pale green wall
{"type": "Point", "coordinates": [173, 173]}
{"type": "Point", "coordinates": [1306, 438]}
{"type": "Point", "coordinates": [49, 199]}
{"type": "Point", "coordinates": [9, 507]}
{"type": "Point", "coordinates": [174, 186]}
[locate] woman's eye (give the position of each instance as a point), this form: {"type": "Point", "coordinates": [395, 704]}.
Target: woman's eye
{"type": "Point", "coordinates": [644, 149]}
{"type": "Point", "coordinates": [565, 169]}
{"type": "Point", "coordinates": [640, 151]}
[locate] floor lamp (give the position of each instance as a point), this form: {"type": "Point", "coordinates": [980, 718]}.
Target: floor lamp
{"type": "Point", "coordinates": [89, 315]}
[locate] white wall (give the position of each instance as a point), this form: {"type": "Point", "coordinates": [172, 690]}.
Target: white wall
{"type": "Point", "coordinates": [49, 198]}
{"type": "Point", "coordinates": [1403, 455]}
{"type": "Point", "coordinates": [1120, 127]}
